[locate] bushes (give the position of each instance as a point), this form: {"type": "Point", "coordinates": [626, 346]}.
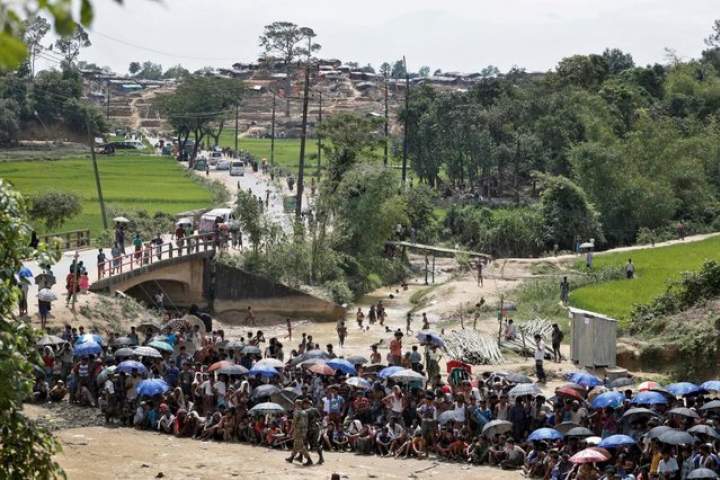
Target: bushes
{"type": "Point", "coordinates": [54, 208]}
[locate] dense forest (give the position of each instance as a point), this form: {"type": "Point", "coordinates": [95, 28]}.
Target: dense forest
{"type": "Point", "coordinates": [640, 145]}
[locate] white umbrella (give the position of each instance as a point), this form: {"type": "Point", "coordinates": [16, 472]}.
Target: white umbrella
{"type": "Point", "coordinates": [407, 376]}
{"type": "Point", "coordinates": [266, 407]}
{"type": "Point", "coordinates": [46, 295]}
{"type": "Point", "coordinates": [593, 440]}
{"type": "Point", "coordinates": [147, 352]}
{"type": "Point", "coordinates": [358, 382]}
{"type": "Point", "coordinates": [524, 389]}
{"type": "Point", "coordinates": [270, 362]}
{"type": "Point", "coordinates": [121, 220]}
{"type": "Point", "coordinates": [184, 221]}
{"type": "Point", "coordinates": [496, 427]}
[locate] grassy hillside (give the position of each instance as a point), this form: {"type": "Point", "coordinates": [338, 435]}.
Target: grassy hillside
{"type": "Point", "coordinates": [654, 267]}
{"type": "Point", "coordinates": [129, 181]}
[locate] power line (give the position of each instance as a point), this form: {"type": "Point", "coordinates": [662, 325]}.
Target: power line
{"type": "Point", "coordinates": [160, 52]}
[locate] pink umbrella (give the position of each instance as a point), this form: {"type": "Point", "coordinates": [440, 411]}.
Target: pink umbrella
{"type": "Point", "coordinates": [645, 386]}
{"type": "Point", "coordinates": [589, 455]}
{"type": "Point", "coordinates": [321, 369]}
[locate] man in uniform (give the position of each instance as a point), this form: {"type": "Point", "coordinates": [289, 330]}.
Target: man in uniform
{"type": "Point", "coordinates": [314, 419]}
{"type": "Point", "coordinates": [299, 433]}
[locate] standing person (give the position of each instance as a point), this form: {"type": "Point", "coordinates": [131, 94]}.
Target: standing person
{"type": "Point", "coordinates": [629, 270]}
{"type": "Point", "coordinates": [589, 259]}
{"type": "Point", "coordinates": [565, 291]}
{"type": "Point", "coordinates": [396, 349]}
{"type": "Point", "coordinates": [314, 420]}
{"type": "Point", "coordinates": [22, 301]}
{"type": "Point", "coordinates": [408, 321]}
{"type": "Point", "coordinates": [101, 263]}
{"type": "Point", "coordinates": [44, 306]}
{"type": "Point", "coordinates": [375, 356]}
{"type": "Point", "coordinates": [341, 331]}
{"type": "Point", "coordinates": [158, 243]}
{"type": "Point", "coordinates": [372, 315]}
{"type": "Point", "coordinates": [381, 313]}
{"type": "Point", "coordinates": [539, 357]}
{"type": "Point", "coordinates": [557, 338]}
{"type": "Point", "coordinates": [681, 231]}
{"type": "Point", "coordinates": [250, 316]}
{"type": "Point", "coordinates": [71, 286]}
{"type": "Point", "coordinates": [34, 241]}
{"type": "Point", "coordinates": [137, 244]}
{"type": "Point", "coordinates": [480, 272]}
{"type": "Point", "coordinates": [116, 253]}
{"type": "Point", "coordinates": [267, 199]}
{"type": "Point", "coordinates": [360, 316]}
{"type": "Point", "coordinates": [179, 235]}
{"type": "Point", "coordinates": [120, 236]}
{"type": "Point", "coordinates": [289, 328]}
{"type": "Point", "coordinates": [426, 322]}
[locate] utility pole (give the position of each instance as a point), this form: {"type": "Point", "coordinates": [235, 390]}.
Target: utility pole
{"type": "Point", "coordinates": [237, 114]}
{"type": "Point", "coordinates": [107, 105]}
{"type": "Point", "coordinates": [385, 150]}
{"type": "Point", "coordinates": [301, 168]}
{"type": "Point", "coordinates": [319, 137]}
{"type": "Point", "coordinates": [272, 133]}
{"type": "Point", "coordinates": [407, 110]}
{"type": "Point", "coordinates": [91, 139]}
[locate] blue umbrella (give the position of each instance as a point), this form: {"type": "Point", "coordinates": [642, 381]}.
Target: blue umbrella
{"type": "Point", "coordinates": [608, 399]}
{"type": "Point", "coordinates": [585, 379]}
{"type": "Point", "coordinates": [614, 441]}
{"type": "Point", "coordinates": [86, 349]}
{"type": "Point", "coordinates": [25, 272]}
{"type": "Point", "coordinates": [387, 371]}
{"type": "Point", "coordinates": [152, 387]}
{"type": "Point", "coordinates": [90, 337]}
{"type": "Point", "coordinates": [682, 389]}
{"type": "Point", "coordinates": [542, 434]}
{"type": "Point", "coordinates": [649, 398]}
{"type": "Point", "coordinates": [711, 386]}
{"type": "Point", "coordinates": [163, 346]}
{"type": "Point", "coordinates": [263, 371]}
{"type": "Point", "coordinates": [129, 365]}
{"type": "Point", "coordinates": [430, 337]}
{"type": "Point", "coordinates": [342, 365]}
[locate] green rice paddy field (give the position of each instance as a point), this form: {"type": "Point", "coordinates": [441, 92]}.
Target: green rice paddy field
{"type": "Point", "coordinates": [129, 181]}
{"type": "Point", "coordinates": [654, 268]}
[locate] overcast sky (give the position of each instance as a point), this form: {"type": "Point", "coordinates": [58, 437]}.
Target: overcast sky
{"type": "Point", "coordinates": [463, 35]}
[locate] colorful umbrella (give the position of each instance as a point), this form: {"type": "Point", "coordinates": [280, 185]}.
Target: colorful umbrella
{"type": "Point", "coordinates": [162, 346]}
{"type": "Point", "coordinates": [615, 441]}
{"type": "Point", "coordinates": [428, 337]}
{"type": "Point", "coordinates": [147, 352]}
{"type": "Point", "coordinates": [86, 349]}
{"type": "Point", "coordinates": [219, 365]}
{"type": "Point", "coordinates": [152, 387]}
{"type": "Point", "coordinates": [90, 337]}
{"type": "Point", "coordinates": [25, 272]}
{"type": "Point", "coordinates": [682, 389]}
{"type": "Point", "coordinates": [711, 386]}
{"type": "Point", "coordinates": [386, 372]}
{"type": "Point", "coordinates": [589, 455]}
{"type": "Point", "coordinates": [649, 398]}
{"type": "Point", "coordinates": [321, 369]}
{"type": "Point", "coordinates": [263, 371]}
{"type": "Point", "coordinates": [129, 365]}
{"type": "Point", "coordinates": [544, 434]}
{"type": "Point", "coordinates": [645, 386]}
{"type": "Point", "coordinates": [584, 378]}
{"type": "Point", "coordinates": [568, 392]}
{"type": "Point", "coordinates": [608, 399]}
{"type": "Point", "coordinates": [343, 365]}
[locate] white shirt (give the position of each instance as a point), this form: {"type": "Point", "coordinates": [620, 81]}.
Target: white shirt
{"type": "Point", "coordinates": [668, 466]}
{"type": "Point", "coordinates": [540, 351]}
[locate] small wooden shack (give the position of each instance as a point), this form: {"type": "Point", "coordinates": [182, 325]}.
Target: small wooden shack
{"type": "Point", "coordinates": [593, 339]}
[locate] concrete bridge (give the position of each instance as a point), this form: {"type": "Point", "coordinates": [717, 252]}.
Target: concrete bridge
{"type": "Point", "coordinates": [436, 251]}
{"type": "Point", "coordinates": [190, 275]}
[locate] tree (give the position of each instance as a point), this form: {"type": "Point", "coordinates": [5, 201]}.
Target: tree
{"type": "Point", "coordinates": [51, 89]}
{"type": "Point", "coordinates": [9, 122]}
{"type": "Point", "coordinates": [385, 70]}
{"type": "Point", "coordinates": [584, 71]}
{"type": "Point", "coordinates": [177, 72]}
{"type": "Point", "coordinates": [134, 68]}
{"type": "Point", "coordinates": [70, 45]}
{"type": "Point", "coordinates": [247, 211]}
{"type": "Point", "coordinates": [27, 449]}
{"type": "Point", "coordinates": [424, 71]}
{"type": "Point", "coordinates": [150, 71]}
{"type": "Point", "coordinates": [399, 69]}
{"type": "Point", "coordinates": [567, 214]}
{"type": "Point", "coordinates": [54, 208]}
{"type": "Point", "coordinates": [350, 138]}
{"type": "Point", "coordinates": [36, 28]}
{"type": "Point", "coordinates": [490, 71]}
{"type": "Point", "coordinates": [287, 42]}
{"type": "Point", "coordinates": [713, 40]}
{"type": "Point", "coordinates": [617, 60]}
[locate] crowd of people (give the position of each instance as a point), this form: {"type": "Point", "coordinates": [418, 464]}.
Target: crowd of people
{"type": "Point", "coordinates": [189, 382]}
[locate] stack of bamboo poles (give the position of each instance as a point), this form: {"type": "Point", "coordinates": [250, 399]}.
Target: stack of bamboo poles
{"type": "Point", "coordinates": [472, 347]}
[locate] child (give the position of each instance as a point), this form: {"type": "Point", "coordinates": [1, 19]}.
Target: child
{"type": "Point", "coordinates": [84, 283]}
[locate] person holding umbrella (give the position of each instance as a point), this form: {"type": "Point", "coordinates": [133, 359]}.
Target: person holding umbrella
{"type": "Point", "coordinates": [45, 298]}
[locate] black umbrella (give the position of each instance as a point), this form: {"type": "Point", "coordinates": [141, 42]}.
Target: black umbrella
{"type": "Point", "coordinates": [702, 474]}
{"type": "Point", "coordinates": [657, 431]}
{"type": "Point", "coordinates": [684, 412]}
{"type": "Point", "coordinates": [357, 359]}
{"type": "Point", "coordinates": [579, 432]}
{"type": "Point", "coordinates": [704, 430]}
{"type": "Point", "coordinates": [124, 352]}
{"type": "Point", "coordinates": [633, 413]}
{"type": "Point", "coordinates": [518, 378]}
{"type": "Point", "coordinates": [714, 405]}
{"type": "Point", "coordinates": [250, 350]}
{"type": "Point", "coordinates": [621, 382]}
{"type": "Point", "coordinates": [123, 342]}
{"type": "Point", "coordinates": [677, 437]}
{"type": "Point", "coordinates": [264, 391]}
{"type": "Point", "coordinates": [566, 427]}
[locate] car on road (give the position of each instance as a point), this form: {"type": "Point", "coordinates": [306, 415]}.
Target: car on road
{"type": "Point", "coordinates": [237, 168]}
{"type": "Point", "coordinates": [214, 157]}
{"type": "Point", "coordinates": [217, 215]}
{"type": "Point", "coordinates": [223, 164]}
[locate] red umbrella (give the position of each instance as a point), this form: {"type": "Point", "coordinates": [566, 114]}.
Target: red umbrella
{"type": "Point", "coordinates": [569, 392]}
{"type": "Point", "coordinates": [645, 386]}
{"type": "Point", "coordinates": [321, 369]}
{"type": "Point", "coordinates": [220, 364]}
{"type": "Point", "coordinates": [589, 455]}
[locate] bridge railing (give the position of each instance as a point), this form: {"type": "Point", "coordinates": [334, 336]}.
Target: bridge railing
{"type": "Point", "coordinates": [73, 240]}
{"type": "Point", "coordinates": [156, 252]}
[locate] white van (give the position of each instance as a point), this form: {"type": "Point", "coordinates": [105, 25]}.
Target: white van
{"type": "Point", "coordinates": [207, 220]}
{"type": "Point", "coordinates": [237, 168]}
